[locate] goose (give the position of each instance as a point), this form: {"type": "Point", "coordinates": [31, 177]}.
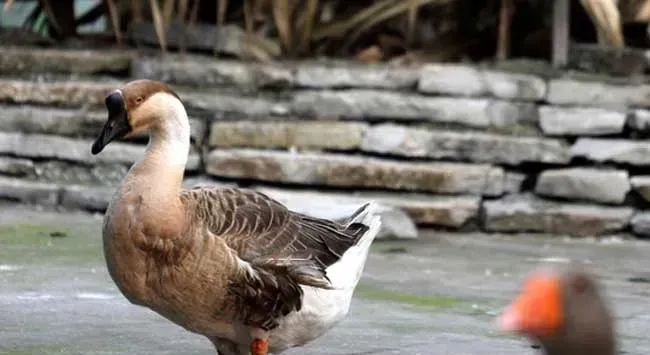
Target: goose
{"type": "Point", "coordinates": [564, 310]}
{"type": "Point", "coordinates": [233, 265]}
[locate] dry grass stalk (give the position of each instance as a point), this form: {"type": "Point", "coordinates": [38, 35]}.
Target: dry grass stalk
{"type": "Point", "coordinates": [136, 9]}
{"type": "Point", "coordinates": [305, 23]}
{"type": "Point", "coordinates": [373, 29]}
{"type": "Point", "coordinates": [389, 10]}
{"type": "Point", "coordinates": [115, 20]}
{"type": "Point", "coordinates": [221, 12]}
{"type": "Point", "coordinates": [49, 12]}
{"type": "Point", "coordinates": [158, 24]}
{"type": "Point", "coordinates": [168, 11]}
{"type": "Point", "coordinates": [7, 6]}
{"type": "Point", "coordinates": [282, 11]}
{"type": "Point", "coordinates": [413, 6]}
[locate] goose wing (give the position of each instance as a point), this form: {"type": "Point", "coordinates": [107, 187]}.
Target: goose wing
{"type": "Point", "coordinates": [277, 249]}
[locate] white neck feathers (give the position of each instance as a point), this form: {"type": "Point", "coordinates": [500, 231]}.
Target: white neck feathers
{"type": "Point", "coordinates": [170, 137]}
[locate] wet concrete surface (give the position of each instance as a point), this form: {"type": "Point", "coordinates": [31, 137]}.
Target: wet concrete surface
{"type": "Point", "coordinates": [437, 295]}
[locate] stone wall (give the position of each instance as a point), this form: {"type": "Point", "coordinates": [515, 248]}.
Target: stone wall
{"type": "Point", "coordinates": [451, 146]}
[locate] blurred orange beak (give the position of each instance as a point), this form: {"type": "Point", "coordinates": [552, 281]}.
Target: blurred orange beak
{"type": "Point", "coordinates": [537, 310]}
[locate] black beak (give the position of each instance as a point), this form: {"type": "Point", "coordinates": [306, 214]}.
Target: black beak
{"type": "Point", "coordinates": [117, 125]}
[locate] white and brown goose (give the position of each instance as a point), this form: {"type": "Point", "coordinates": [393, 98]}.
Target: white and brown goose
{"type": "Point", "coordinates": [231, 264]}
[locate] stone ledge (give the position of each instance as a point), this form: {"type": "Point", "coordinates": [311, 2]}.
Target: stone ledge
{"type": "Point", "coordinates": [355, 171]}
{"type": "Point", "coordinates": [75, 94]}
{"type": "Point", "coordinates": [378, 104]}
{"type": "Point", "coordinates": [223, 104]}
{"type": "Point", "coordinates": [74, 173]}
{"type": "Point", "coordinates": [354, 75]}
{"type": "Point", "coordinates": [464, 80]}
{"type": "Point", "coordinates": [639, 120]}
{"type": "Point", "coordinates": [55, 147]}
{"type": "Point", "coordinates": [448, 211]}
{"type": "Point", "coordinates": [576, 121]}
{"type": "Point", "coordinates": [463, 146]}
{"type": "Point", "coordinates": [67, 122]}
{"type": "Point", "coordinates": [587, 184]}
{"type": "Point", "coordinates": [65, 94]}
{"type": "Point", "coordinates": [16, 166]}
{"type": "Point", "coordinates": [92, 198]}
{"type": "Point", "coordinates": [640, 224]}
{"type": "Point", "coordinates": [620, 151]}
{"type": "Point", "coordinates": [17, 60]}
{"type": "Point", "coordinates": [199, 71]}
{"type": "Point", "coordinates": [641, 184]}
{"type": "Point", "coordinates": [31, 192]}
{"type": "Point", "coordinates": [395, 223]}
{"type": "Point", "coordinates": [595, 93]}
{"type": "Point", "coordinates": [281, 134]}
{"type": "Point", "coordinates": [526, 213]}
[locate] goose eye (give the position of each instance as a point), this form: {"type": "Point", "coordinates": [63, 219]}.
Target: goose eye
{"type": "Point", "coordinates": [138, 99]}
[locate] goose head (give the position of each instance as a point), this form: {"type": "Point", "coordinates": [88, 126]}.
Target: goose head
{"type": "Point", "coordinates": [564, 311]}
{"type": "Point", "coordinates": [136, 107]}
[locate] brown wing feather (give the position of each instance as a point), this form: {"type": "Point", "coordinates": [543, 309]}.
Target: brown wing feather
{"type": "Point", "coordinates": [255, 225]}
{"type": "Point", "coordinates": [283, 249]}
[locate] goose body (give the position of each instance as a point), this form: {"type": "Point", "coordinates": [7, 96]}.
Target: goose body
{"type": "Point", "coordinates": [231, 264]}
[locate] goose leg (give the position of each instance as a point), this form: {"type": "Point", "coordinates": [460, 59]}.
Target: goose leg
{"type": "Point", "coordinates": [260, 343]}
{"type": "Point", "coordinates": [259, 347]}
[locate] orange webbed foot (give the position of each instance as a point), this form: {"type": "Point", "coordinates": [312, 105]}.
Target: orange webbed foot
{"type": "Point", "coordinates": [259, 347]}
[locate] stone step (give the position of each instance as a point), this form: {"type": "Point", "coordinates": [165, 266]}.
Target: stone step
{"type": "Point", "coordinates": [569, 91]}
{"type": "Point", "coordinates": [395, 222]}
{"type": "Point", "coordinates": [400, 212]}
{"type": "Point", "coordinates": [640, 224]}
{"type": "Point", "coordinates": [392, 139]}
{"type": "Point", "coordinates": [622, 151]}
{"type": "Point", "coordinates": [445, 79]}
{"type": "Point", "coordinates": [224, 104]}
{"type": "Point", "coordinates": [90, 95]}
{"type": "Point", "coordinates": [339, 170]}
{"type": "Point", "coordinates": [641, 184]}
{"type": "Point", "coordinates": [350, 74]}
{"type": "Point", "coordinates": [382, 104]}
{"type": "Point", "coordinates": [515, 213]}
{"type": "Point", "coordinates": [580, 121]}
{"type": "Point", "coordinates": [447, 211]}
{"type": "Point", "coordinates": [323, 134]}
{"type": "Point", "coordinates": [358, 103]}
{"type": "Point", "coordinates": [465, 80]}
{"type": "Point", "coordinates": [40, 146]}
{"type": "Point", "coordinates": [30, 192]}
{"type": "Point", "coordinates": [527, 213]}
{"type": "Point", "coordinates": [201, 71]}
{"type": "Point", "coordinates": [588, 184]}
{"type": "Point", "coordinates": [61, 93]}
{"type": "Point", "coordinates": [16, 166]}
{"type": "Point", "coordinates": [464, 146]}
{"type": "Point", "coordinates": [18, 60]}
{"type": "Point", "coordinates": [68, 122]}
{"type": "Point", "coordinates": [91, 198]}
